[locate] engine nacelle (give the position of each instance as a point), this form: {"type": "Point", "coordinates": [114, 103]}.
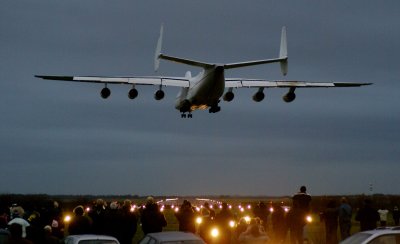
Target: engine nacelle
{"type": "Point", "coordinates": [289, 97]}
{"type": "Point", "coordinates": [258, 96]}
{"type": "Point", "coordinates": [159, 95]}
{"type": "Point", "coordinates": [228, 96]}
{"type": "Point", "coordinates": [185, 106]}
{"type": "Point", "coordinates": [133, 93]}
{"type": "Point", "coordinates": [105, 93]}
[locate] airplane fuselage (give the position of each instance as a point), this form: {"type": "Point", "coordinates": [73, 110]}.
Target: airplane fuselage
{"type": "Point", "coordinates": [205, 90]}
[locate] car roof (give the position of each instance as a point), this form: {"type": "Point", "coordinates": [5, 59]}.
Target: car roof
{"type": "Point", "coordinates": [386, 230]}
{"type": "Point", "coordinates": [174, 236]}
{"type": "Point", "coordinates": [91, 237]}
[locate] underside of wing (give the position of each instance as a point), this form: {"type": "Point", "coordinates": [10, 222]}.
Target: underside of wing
{"type": "Point", "coordinates": [137, 80]}
{"type": "Point", "coordinates": [248, 83]}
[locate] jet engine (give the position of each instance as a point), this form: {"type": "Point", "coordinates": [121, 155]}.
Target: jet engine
{"type": "Point", "coordinates": [159, 95]}
{"type": "Point", "coordinates": [105, 92]}
{"type": "Point", "coordinates": [289, 97]}
{"type": "Point", "coordinates": [185, 106]}
{"type": "Point", "coordinates": [133, 93]}
{"type": "Point", "coordinates": [258, 96]}
{"type": "Point", "coordinates": [228, 96]}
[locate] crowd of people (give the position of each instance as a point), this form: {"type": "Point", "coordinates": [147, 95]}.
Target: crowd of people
{"type": "Point", "coordinates": [269, 224]}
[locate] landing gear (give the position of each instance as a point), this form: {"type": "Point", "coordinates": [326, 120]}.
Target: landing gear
{"type": "Point", "coordinates": [214, 109]}
{"type": "Point", "coordinates": [189, 115]}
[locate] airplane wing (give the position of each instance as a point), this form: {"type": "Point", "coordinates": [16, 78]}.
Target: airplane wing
{"type": "Point", "coordinates": [248, 83]}
{"type": "Point", "coordinates": [139, 80]}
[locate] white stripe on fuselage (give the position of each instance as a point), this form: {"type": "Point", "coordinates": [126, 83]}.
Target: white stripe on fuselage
{"type": "Point", "coordinates": [205, 89]}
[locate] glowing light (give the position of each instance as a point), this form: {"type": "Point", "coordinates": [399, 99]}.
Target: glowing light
{"type": "Point", "coordinates": [271, 209]}
{"type": "Point", "coordinates": [198, 209]}
{"type": "Point", "coordinates": [214, 232]}
{"type": "Point", "coordinates": [286, 209]}
{"type": "Point", "coordinates": [232, 224]}
{"type": "Point", "coordinates": [241, 210]}
{"type": "Point", "coordinates": [247, 218]}
{"type": "Point", "coordinates": [199, 220]}
{"type": "Point", "coordinates": [249, 206]}
{"type": "Point", "coordinates": [87, 209]}
{"type": "Point", "coordinates": [176, 209]}
{"type": "Point", "coordinates": [309, 218]}
{"type": "Point", "coordinates": [230, 206]}
{"type": "Point", "coordinates": [67, 218]}
{"type": "Point", "coordinates": [220, 206]}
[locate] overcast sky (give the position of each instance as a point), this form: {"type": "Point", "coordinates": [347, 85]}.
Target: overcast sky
{"type": "Point", "coordinates": [62, 138]}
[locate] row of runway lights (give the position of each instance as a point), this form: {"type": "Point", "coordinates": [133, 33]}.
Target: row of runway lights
{"type": "Point", "coordinates": [214, 232]}
{"type": "Point", "coordinates": [241, 208]}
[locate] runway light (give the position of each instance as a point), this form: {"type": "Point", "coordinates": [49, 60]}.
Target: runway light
{"type": "Point", "coordinates": [214, 232]}
{"type": "Point", "coordinates": [67, 218]}
{"type": "Point", "coordinates": [309, 219]}
{"type": "Point", "coordinates": [199, 220]}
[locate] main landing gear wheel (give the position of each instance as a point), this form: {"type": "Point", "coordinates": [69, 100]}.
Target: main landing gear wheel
{"type": "Point", "coordinates": [189, 115]}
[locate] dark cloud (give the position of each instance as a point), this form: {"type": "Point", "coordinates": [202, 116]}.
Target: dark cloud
{"type": "Point", "coordinates": [60, 137]}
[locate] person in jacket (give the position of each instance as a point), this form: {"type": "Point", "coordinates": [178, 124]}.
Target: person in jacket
{"type": "Point", "coordinates": [79, 224]}
{"type": "Point", "coordinates": [152, 219]}
{"type": "Point", "coordinates": [367, 216]}
{"type": "Point", "coordinates": [186, 217]}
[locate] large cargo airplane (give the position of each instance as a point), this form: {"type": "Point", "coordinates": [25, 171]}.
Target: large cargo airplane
{"type": "Point", "coordinates": [205, 90]}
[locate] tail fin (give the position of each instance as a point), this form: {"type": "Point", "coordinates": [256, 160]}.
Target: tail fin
{"type": "Point", "coordinates": [158, 50]}
{"type": "Point", "coordinates": [283, 52]}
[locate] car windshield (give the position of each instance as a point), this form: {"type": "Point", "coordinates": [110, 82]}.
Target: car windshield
{"type": "Point", "coordinates": [356, 238]}
{"type": "Point", "coordinates": [97, 242]}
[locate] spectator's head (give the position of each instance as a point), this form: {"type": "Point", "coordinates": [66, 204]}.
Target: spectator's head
{"type": "Point", "coordinates": [114, 205]}
{"type": "Point", "coordinates": [127, 203]}
{"type": "Point", "coordinates": [78, 210]}
{"type": "Point", "coordinates": [149, 200]}
{"type": "Point", "coordinates": [47, 229]}
{"type": "Point", "coordinates": [100, 202]}
{"type": "Point", "coordinates": [303, 189]}
{"type": "Point", "coordinates": [17, 212]}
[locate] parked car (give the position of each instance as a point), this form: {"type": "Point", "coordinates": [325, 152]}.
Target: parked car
{"type": "Point", "coordinates": [384, 235]}
{"type": "Point", "coordinates": [171, 237]}
{"type": "Point", "coordinates": [90, 239]}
